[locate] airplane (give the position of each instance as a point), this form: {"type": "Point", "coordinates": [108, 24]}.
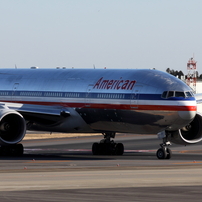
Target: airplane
{"type": "Point", "coordinates": [107, 101]}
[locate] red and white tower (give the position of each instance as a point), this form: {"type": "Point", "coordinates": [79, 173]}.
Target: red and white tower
{"type": "Point", "coordinates": [191, 74]}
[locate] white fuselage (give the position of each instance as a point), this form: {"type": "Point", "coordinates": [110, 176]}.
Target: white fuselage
{"type": "Point", "coordinates": [99, 100]}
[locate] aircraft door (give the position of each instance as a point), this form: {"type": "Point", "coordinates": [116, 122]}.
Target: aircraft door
{"type": "Point", "coordinates": [135, 97]}
{"type": "Point", "coordinates": [15, 87]}
{"type": "Point", "coordinates": [88, 100]}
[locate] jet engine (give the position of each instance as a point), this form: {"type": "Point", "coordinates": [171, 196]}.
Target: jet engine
{"type": "Point", "coordinates": [12, 127]}
{"type": "Point", "coordinates": [190, 134]}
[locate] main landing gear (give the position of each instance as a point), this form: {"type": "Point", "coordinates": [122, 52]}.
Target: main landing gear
{"type": "Point", "coordinates": [11, 150]}
{"type": "Point", "coordinates": [107, 146]}
{"type": "Point", "coordinates": [164, 152]}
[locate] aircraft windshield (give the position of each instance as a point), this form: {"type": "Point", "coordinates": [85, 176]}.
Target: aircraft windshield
{"type": "Point", "coordinates": [169, 94]}
{"type": "Point", "coordinates": [188, 94]}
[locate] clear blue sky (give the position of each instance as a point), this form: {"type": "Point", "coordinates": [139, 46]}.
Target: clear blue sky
{"type": "Point", "coordinates": [107, 33]}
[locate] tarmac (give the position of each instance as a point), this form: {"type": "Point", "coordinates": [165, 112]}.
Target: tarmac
{"type": "Point", "coordinates": [64, 169]}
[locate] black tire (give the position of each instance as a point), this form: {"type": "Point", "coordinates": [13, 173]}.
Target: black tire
{"type": "Point", "coordinates": [4, 151]}
{"type": "Point", "coordinates": [106, 148]}
{"type": "Point", "coordinates": [161, 153]}
{"type": "Point", "coordinates": [12, 150]}
{"type": "Point", "coordinates": [96, 148]}
{"type": "Point", "coordinates": [119, 149]}
{"type": "Point", "coordinates": [19, 150]}
{"type": "Point", "coordinates": [169, 153]}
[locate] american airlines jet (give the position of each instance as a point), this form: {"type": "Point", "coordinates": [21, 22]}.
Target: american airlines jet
{"type": "Point", "coordinates": [106, 101]}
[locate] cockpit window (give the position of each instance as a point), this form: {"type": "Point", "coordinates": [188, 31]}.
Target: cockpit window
{"type": "Point", "coordinates": [169, 94]}
{"type": "Point", "coordinates": [179, 94]}
{"type": "Point", "coordinates": [188, 94]}
{"type": "Point", "coordinates": [164, 95]}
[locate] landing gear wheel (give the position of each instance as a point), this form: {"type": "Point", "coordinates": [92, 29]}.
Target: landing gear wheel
{"type": "Point", "coordinates": [96, 148]}
{"type": "Point", "coordinates": [169, 153]}
{"type": "Point", "coordinates": [107, 146]}
{"type": "Point", "coordinates": [161, 153]}
{"type": "Point", "coordinates": [19, 150]}
{"type": "Point", "coordinates": [164, 152]}
{"type": "Point", "coordinates": [119, 150]}
{"type": "Point", "coordinates": [12, 150]}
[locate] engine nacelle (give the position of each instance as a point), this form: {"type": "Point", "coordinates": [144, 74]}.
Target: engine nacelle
{"type": "Point", "coordinates": [189, 134]}
{"type": "Point", "coordinates": [12, 126]}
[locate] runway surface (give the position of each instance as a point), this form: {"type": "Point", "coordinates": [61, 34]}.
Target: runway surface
{"type": "Point", "coordinates": [64, 170]}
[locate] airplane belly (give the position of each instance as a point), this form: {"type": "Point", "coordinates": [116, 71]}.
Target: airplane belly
{"type": "Point", "coordinates": [130, 121]}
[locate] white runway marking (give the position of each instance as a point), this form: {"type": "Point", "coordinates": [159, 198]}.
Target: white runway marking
{"type": "Point", "coordinates": [88, 150]}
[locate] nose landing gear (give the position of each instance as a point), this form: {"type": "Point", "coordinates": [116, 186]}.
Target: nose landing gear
{"type": "Point", "coordinates": [164, 152]}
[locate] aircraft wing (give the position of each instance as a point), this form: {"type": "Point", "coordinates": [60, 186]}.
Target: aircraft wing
{"type": "Point", "coordinates": [36, 109]}
{"type": "Point", "coordinates": [198, 98]}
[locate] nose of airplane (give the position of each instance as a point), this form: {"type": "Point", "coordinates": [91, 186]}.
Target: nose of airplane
{"type": "Point", "coordinates": [187, 115]}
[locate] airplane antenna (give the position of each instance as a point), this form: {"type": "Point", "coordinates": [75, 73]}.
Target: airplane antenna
{"type": "Point", "coordinates": [15, 66]}
{"type": "Point", "coordinates": [191, 74]}
{"type": "Point", "coordinates": [93, 66]}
